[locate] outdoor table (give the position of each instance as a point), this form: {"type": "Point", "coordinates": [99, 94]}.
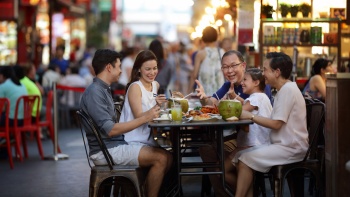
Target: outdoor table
{"type": "Point", "coordinates": [216, 126]}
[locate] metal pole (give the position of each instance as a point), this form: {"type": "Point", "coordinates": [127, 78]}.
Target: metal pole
{"type": "Point", "coordinates": [56, 156]}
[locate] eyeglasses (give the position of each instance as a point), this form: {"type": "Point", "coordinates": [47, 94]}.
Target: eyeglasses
{"type": "Point", "coordinates": [233, 66]}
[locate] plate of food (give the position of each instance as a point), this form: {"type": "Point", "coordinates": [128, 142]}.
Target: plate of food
{"type": "Point", "coordinates": [205, 117]}
{"type": "Point", "coordinates": [163, 117]}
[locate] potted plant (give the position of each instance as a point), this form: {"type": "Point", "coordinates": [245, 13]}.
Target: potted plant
{"type": "Point", "coordinates": [305, 9]}
{"type": "Point", "coordinates": [284, 9]}
{"type": "Point", "coordinates": [267, 10]}
{"type": "Point", "coordinates": [294, 9]}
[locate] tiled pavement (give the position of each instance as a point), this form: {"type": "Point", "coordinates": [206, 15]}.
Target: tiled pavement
{"type": "Point", "coordinates": [64, 178]}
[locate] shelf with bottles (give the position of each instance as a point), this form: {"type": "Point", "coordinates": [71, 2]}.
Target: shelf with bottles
{"type": "Point", "coordinates": [300, 32]}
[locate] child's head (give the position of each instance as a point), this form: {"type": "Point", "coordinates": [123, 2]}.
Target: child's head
{"type": "Point", "coordinates": [253, 81]}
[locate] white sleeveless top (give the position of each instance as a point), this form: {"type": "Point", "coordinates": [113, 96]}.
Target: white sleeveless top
{"type": "Point", "coordinates": [141, 134]}
{"type": "Point", "coordinates": [210, 74]}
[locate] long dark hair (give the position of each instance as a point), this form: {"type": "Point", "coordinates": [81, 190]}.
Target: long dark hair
{"type": "Point", "coordinates": [257, 75]}
{"type": "Point", "coordinates": [317, 66]}
{"type": "Point", "coordinates": [9, 73]}
{"type": "Point", "coordinates": [141, 58]}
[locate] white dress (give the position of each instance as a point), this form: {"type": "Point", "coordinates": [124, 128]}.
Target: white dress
{"type": "Point", "coordinates": [141, 134]}
{"type": "Point", "coordinates": [257, 135]}
{"type": "Point", "coordinates": [288, 144]}
{"type": "Point", "coordinates": [210, 74]}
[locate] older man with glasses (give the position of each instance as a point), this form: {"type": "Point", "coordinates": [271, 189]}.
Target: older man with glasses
{"type": "Point", "coordinates": [233, 67]}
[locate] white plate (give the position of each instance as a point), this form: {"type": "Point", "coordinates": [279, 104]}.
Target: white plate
{"type": "Point", "coordinates": [161, 119]}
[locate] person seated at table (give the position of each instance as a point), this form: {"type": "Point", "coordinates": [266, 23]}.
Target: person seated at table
{"type": "Point", "coordinates": [11, 88]}
{"type": "Point", "coordinates": [233, 67]}
{"type": "Point", "coordinates": [141, 95]}
{"type": "Point", "coordinates": [98, 103]}
{"type": "Point", "coordinates": [24, 73]}
{"type": "Point", "coordinates": [259, 104]}
{"type": "Point", "coordinates": [316, 85]}
{"type": "Point", "coordinates": [289, 135]}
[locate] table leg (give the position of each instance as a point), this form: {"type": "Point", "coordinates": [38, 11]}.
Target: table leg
{"type": "Point", "coordinates": [175, 138]}
{"type": "Point", "coordinates": [220, 145]}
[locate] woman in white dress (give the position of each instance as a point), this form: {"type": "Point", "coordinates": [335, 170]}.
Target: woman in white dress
{"type": "Point", "coordinates": [141, 95]}
{"type": "Point", "coordinates": [207, 63]}
{"type": "Point", "coordinates": [289, 135]}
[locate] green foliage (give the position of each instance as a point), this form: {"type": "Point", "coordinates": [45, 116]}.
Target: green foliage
{"type": "Point", "coordinates": [294, 9]}
{"type": "Point", "coordinates": [267, 9]}
{"type": "Point", "coordinates": [284, 8]}
{"type": "Point", "coordinates": [305, 9]}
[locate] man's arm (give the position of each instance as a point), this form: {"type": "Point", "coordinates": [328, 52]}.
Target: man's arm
{"type": "Point", "coordinates": [124, 127]}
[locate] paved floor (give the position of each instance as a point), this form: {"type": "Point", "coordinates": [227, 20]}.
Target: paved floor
{"type": "Point", "coordinates": [65, 178]}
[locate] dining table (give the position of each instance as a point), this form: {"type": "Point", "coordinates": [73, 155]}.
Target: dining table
{"type": "Point", "coordinates": [216, 127]}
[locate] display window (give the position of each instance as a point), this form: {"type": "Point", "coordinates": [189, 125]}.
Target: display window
{"type": "Point", "coordinates": [8, 42]}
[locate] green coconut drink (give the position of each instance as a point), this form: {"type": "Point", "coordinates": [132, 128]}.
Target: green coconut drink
{"type": "Point", "coordinates": [230, 108]}
{"type": "Point", "coordinates": [183, 102]}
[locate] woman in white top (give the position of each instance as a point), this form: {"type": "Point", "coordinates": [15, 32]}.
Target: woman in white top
{"type": "Point", "coordinates": [289, 135]}
{"type": "Point", "coordinates": [258, 103]}
{"type": "Point", "coordinates": [141, 95]}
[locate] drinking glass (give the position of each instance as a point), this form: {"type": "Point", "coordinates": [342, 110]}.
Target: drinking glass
{"type": "Point", "coordinates": [176, 113]}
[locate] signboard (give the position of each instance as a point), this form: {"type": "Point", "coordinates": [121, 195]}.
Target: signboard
{"type": "Point", "coordinates": [8, 9]}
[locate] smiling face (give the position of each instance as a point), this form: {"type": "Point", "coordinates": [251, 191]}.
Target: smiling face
{"type": "Point", "coordinates": [249, 86]}
{"type": "Point", "coordinates": [269, 74]}
{"type": "Point", "coordinates": [233, 69]}
{"type": "Point", "coordinates": [116, 70]}
{"type": "Point", "coordinates": [148, 71]}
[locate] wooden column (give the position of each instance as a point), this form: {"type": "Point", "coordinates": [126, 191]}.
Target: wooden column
{"type": "Point", "coordinates": [337, 135]}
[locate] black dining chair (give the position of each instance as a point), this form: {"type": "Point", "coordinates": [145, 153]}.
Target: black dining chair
{"type": "Point", "coordinates": [104, 173]}
{"type": "Point", "coordinates": [313, 160]}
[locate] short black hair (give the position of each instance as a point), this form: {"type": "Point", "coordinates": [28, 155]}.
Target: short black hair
{"type": "Point", "coordinates": [103, 57]}
{"type": "Point", "coordinates": [279, 60]}
{"type": "Point", "coordinates": [231, 52]}
{"type": "Point", "coordinates": [19, 71]}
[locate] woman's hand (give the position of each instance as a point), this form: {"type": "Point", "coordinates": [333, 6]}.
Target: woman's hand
{"type": "Point", "coordinates": [245, 115]}
{"type": "Point", "coordinates": [160, 99]}
{"type": "Point", "coordinates": [152, 113]}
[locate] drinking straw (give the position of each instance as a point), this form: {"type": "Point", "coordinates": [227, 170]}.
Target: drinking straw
{"type": "Point", "coordinates": [237, 96]}
{"type": "Point", "coordinates": [188, 95]}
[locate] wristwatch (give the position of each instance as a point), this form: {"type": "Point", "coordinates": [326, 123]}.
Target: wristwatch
{"type": "Point", "coordinates": [251, 118]}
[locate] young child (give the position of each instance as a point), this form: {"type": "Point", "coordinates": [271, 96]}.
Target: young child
{"type": "Point", "coordinates": [258, 103]}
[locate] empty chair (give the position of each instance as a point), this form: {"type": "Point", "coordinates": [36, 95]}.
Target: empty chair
{"type": "Point", "coordinates": [100, 174]}
{"type": "Point", "coordinates": [4, 129]}
{"type": "Point", "coordinates": [68, 99]}
{"type": "Point", "coordinates": [28, 125]}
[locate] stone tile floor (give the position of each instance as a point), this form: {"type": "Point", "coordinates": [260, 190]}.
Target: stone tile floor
{"type": "Point", "coordinates": [64, 178]}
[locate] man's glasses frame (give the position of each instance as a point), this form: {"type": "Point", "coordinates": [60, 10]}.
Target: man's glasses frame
{"type": "Point", "coordinates": [233, 66]}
